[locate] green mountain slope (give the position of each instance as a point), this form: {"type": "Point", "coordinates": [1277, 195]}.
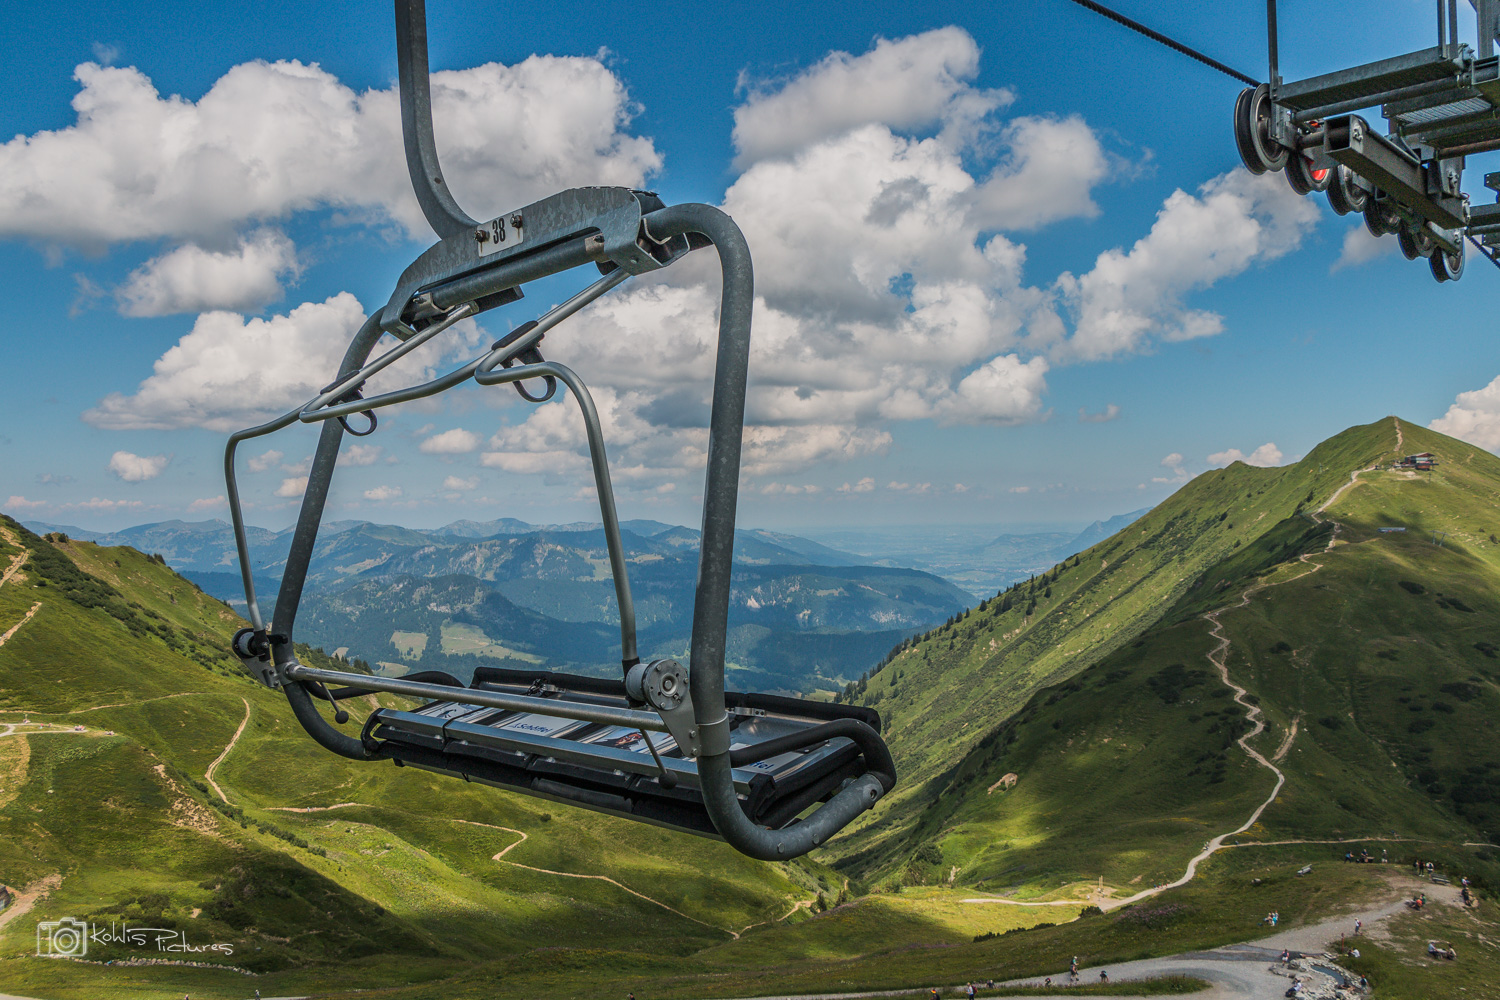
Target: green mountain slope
{"type": "Point", "coordinates": [117, 704]}
{"type": "Point", "coordinates": [1039, 633]}
{"type": "Point", "coordinates": [1380, 648]}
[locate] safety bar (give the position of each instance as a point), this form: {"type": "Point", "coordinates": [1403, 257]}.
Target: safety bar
{"type": "Point", "coordinates": [602, 486]}
{"type": "Point", "coordinates": [344, 385]}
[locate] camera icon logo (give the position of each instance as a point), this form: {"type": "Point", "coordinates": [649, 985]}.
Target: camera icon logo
{"type": "Point", "coordinates": [62, 938]}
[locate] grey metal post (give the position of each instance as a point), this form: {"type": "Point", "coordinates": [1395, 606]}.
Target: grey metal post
{"type": "Point", "coordinates": [711, 596]}
{"type": "Point", "coordinates": [437, 202]}
{"type": "Point", "coordinates": [1274, 69]}
{"type": "Point", "coordinates": [1487, 18]}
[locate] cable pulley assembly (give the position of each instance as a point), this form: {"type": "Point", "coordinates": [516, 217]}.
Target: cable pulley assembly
{"type": "Point", "coordinates": [1441, 105]}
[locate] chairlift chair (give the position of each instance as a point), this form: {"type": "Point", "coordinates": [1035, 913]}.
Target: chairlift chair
{"type": "Point", "coordinates": [744, 768]}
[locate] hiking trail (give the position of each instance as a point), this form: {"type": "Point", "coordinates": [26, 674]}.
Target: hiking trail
{"type": "Point", "coordinates": [500, 857]}
{"type": "Point", "coordinates": [208, 775]}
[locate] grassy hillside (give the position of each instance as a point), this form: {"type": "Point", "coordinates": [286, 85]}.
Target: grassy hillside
{"type": "Point", "coordinates": [400, 885]}
{"type": "Point", "coordinates": [1372, 656]}
{"type": "Point", "coordinates": [1086, 608]}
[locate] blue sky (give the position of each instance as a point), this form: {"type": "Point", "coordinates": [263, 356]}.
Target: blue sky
{"type": "Point", "coordinates": [1010, 272]}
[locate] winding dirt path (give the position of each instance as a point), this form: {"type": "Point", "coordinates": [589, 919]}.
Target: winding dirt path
{"type": "Point", "coordinates": [27, 898]}
{"type": "Point", "coordinates": [500, 857]}
{"type": "Point", "coordinates": [208, 775]}
{"type": "Point", "coordinates": [16, 561]}
{"type": "Point", "coordinates": [1219, 657]}
{"type": "Point", "coordinates": [17, 626]}
{"type": "Point", "coordinates": [1291, 734]}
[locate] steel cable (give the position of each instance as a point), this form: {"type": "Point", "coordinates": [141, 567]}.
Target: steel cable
{"type": "Point", "coordinates": [1175, 46]}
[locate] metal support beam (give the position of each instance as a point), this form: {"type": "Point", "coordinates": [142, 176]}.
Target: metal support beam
{"type": "Point", "coordinates": [1351, 141]}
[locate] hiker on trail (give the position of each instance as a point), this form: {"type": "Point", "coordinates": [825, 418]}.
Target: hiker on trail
{"type": "Point", "coordinates": [969, 991]}
{"type": "Point", "coordinates": [1429, 868]}
{"type": "Point", "coordinates": [1048, 983]}
{"type": "Point", "coordinates": [1286, 956]}
{"type": "Point", "coordinates": [1357, 925]}
{"type": "Point", "coordinates": [934, 993]}
{"type": "Point", "coordinates": [1103, 976]}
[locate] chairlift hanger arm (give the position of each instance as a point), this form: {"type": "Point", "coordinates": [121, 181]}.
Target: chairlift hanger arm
{"type": "Point", "coordinates": [437, 201]}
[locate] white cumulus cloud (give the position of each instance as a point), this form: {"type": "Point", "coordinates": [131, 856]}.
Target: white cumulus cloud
{"type": "Point", "coordinates": [461, 485]}
{"type": "Point", "coordinates": [1173, 463]}
{"type": "Point", "coordinates": [1236, 220]}
{"type": "Point", "coordinates": [383, 493]}
{"type": "Point", "coordinates": [909, 83]}
{"type": "Point", "coordinates": [1474, 417]}
{"type": "Point", "coordinates": [1265, 456]}
{"type": "Point", "coordinates": [360, 454]}
{"type": "Point", "coordinates": [1104, 416]}
{"type": "Point", "coordinates": [265, 460]}
{"type": "Point", "coordinates": [192, 279]}
{"type": "Point", "coordinates": [271, 138]}
{"type": "Point", "coordinates": [292, 486]}
{"type": "Point", "coordinates": [455, 442]}
{"type": "Point", "coordinates": [231, 371]}
{"type": "Point", "coordinates": [1359, 247]}
{"type": "Point", "coordinates": [208, 503]}
{"type": "Point", "coordinates": [137, 468]}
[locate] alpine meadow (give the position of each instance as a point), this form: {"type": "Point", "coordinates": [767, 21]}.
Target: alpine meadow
{"type": "Point", "coordinates": [1256, 647]}
{"type": "Point", "coordinates": [749, 502]}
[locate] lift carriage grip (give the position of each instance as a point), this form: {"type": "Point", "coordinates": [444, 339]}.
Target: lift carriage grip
{"type": "Point", "coordinates": [749, 779]}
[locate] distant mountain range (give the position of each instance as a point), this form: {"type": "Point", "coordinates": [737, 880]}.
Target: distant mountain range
{"type": "Point", "coordinates": [974, 557]}
{"type": "Point", "coordinates": [804, 615]}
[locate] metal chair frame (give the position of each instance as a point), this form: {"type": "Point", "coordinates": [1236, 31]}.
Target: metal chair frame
{"type": "Point", "coordinates": [476, 266]}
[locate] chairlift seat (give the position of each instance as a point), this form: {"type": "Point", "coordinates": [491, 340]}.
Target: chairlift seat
{"type": "Point", "coordinates": [610, 768]}
{"type": "Point", "coordinates": [746, 768]}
